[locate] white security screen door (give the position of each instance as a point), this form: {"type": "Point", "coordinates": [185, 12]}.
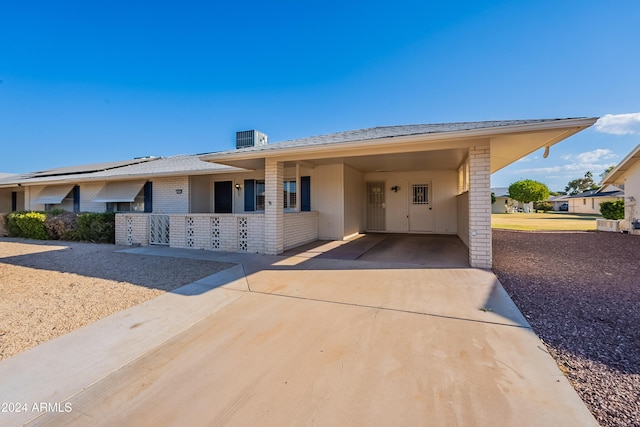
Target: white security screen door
{"type": "Point", "coordinates": [420, 207]}
{"type": "Point", "coordinates": [375, 206]}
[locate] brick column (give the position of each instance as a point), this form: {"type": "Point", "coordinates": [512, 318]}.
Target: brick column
{"type": "Point", "coordinates": [274, 207]}
{"type": "Point", "coordinates": [480, 254]}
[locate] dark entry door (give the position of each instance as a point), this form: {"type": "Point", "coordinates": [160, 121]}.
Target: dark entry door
{"type": "Point", "coordinates": [223, 197]}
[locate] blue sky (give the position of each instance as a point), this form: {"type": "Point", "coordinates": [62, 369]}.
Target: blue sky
{"type": "Point", "coordinates": [85, 82]}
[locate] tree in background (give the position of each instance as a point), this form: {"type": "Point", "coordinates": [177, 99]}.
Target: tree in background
{"type": "Point", "coordinates": [527, 191]}
{"type": "Point", "coordinates": [581, 185]}
{"type": "Point", "coordinates": [606, 172]}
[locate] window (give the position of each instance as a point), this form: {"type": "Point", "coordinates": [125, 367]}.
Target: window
{"type": "Point", "coordinates": [420, 194]}
{"type": "Point", "coordinates": [260, 195]}
{"type": "Point", "coordinates": [254, 194]}
{"type": "Point", "coordinates": [129, 196]}
{"type": "Point", "coordinates": [136, 206]}
{"type": "Point", "coordinates": [290, 194]}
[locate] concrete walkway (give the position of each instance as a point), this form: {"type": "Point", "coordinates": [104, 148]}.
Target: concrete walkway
{"type": "Point", "coordinates": [300, 340]}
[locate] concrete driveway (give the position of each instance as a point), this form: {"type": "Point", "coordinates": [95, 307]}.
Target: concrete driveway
{"type": "Point", "coordinates": [301, 340]}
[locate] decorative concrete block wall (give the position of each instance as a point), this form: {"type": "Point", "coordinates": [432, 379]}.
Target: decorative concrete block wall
{"type": "Point", "coordinates": [132, 229]}
{"type": "Point", "coordinates": [218, 232]}
{"type": "Point", "coordinates": [480, 252]}
{"type": "Point", "coordinates": [300, 228]}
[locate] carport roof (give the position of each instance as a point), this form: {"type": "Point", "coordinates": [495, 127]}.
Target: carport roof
{"type": "Point", "coordinates": [535, 134]}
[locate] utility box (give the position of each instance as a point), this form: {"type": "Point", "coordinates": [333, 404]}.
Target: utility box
{"type": "Point", "coordinates": [250, 138]}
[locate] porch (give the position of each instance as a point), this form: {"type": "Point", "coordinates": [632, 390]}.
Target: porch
{"type": "Point", "coordinates": [240, 232]}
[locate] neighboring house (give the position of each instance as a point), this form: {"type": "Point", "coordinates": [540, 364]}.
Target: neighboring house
{"type": "Point", "coordinates": [503, 203]}
{"type": "Point", "coordinates": [266, 198]}
{"type": "Point", "coordinates": [588, 202]}
{"type": "Point", "coordinates": [627, 174]}
{"type": "Point", "coordinates": [558, 201]}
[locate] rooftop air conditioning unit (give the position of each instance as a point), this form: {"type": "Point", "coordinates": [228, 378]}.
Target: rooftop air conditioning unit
{"type": "Point", "coordinates": [250, 138]}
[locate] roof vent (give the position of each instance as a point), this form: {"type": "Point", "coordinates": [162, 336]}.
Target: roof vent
{"type": "Point", "coordinates": [250, 138]}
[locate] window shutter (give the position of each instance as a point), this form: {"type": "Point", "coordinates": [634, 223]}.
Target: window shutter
{"type": "Point", "coordinates": [249, 195]}
{"type": "Point", "coordinates": [305, 193]}
{"type": "Point", "coordinates": [148, 197]}
{"type": "Point", "coordinates": [14, 201]}
{"type": "Point", "coordinates": [76, 198]}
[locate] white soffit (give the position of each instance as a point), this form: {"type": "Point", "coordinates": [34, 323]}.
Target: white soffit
{"type": "Point", "coordinates": [52, 194]}
{"type": "Point", "coordinates": [125, 191]}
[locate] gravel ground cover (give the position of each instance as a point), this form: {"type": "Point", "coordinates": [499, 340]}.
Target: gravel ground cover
{"type": "Point", "coordinates": [50, 288]}
{"type": "Point", "coordinates": [580, 291]}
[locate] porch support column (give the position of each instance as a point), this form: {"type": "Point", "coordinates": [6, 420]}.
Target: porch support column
{"type": "Point", "coordinates": [274, 207]}
{"type": "Point", "coordinates": [480, 254]}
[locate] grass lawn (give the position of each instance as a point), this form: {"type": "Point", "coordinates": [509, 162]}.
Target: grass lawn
{"type": "Point", "coordinates": [556, 221]}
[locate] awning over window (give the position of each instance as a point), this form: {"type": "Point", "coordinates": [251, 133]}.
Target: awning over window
{"type": "Point", "coordinates": [52, 194]}
{"type": "Point", "coordinates": [125, 191]}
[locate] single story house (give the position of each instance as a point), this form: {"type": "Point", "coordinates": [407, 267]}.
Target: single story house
{"type": "Point", "coordinates": [627, 174]}
{"type": "Point", "coordinates": [504, 203]}
{"type": "Point", "coordinates": [558, 201]}
{"type": "Point", "coordinates": [588, 202]}
{"type": "Point", "coordinates": [266, 198]}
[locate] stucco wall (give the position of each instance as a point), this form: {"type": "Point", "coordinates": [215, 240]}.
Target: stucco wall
{"type": "Point", "coordinates": [354, 196]}
{"type": "Point", "coordinates": [327, 197]}
{"type": "Point", "coordinates": [462, 202]}
{"type": "Point", "coordinates": [200, 191]}
{"type": "Point", "coordinates": [589, 205]}
{"type": "Point", "coordinates": [632, 193]}
{"type": "Point", "coordinates": [5, 199]}
{"type": "Point", "coordinates": [443, 188]}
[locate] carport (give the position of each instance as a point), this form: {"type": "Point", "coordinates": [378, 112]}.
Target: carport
{"type": "Point", "coordinates": [426, 250]}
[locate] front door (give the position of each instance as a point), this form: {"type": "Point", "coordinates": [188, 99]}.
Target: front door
{"type": "Point", "coordinates": [420, 207]}
{"type": "Point", "coordinates": [223, 197]}
{"type": "Point", "coordinates": [375, 206]}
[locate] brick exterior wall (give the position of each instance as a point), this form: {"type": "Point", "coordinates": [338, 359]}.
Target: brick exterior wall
{"type": "Point", "coordinates": [480, 253]}
{"type": "Point", "coordinates": [165, 198]}
{"type": "Point", "coordinates": [274, 205]}
{"type": "Point", "coordinates": [300, 228]}
{"type": "Point", "coordinates": [88, 192]}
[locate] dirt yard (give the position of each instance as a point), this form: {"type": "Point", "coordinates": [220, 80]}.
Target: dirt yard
{"type": "Point", "coordinates": [50, 288]}
{"type": "Point", "coordinates": [580, 291]}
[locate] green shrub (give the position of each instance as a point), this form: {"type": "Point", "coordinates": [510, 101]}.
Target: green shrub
{"type": "Point", "coordinates": [29, 225]}
{"type": "Point", "coordinates": [612, 210]}
{"type": "Point", "coordinates": [95, 227]}
{"type": "Point", "coordinates": [544, 206]}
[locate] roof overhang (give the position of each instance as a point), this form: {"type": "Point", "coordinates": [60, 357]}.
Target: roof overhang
{"type": "Point", "coordinates": [508, 144]}
{"type": "Point", "coordinates": [617, 175]}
